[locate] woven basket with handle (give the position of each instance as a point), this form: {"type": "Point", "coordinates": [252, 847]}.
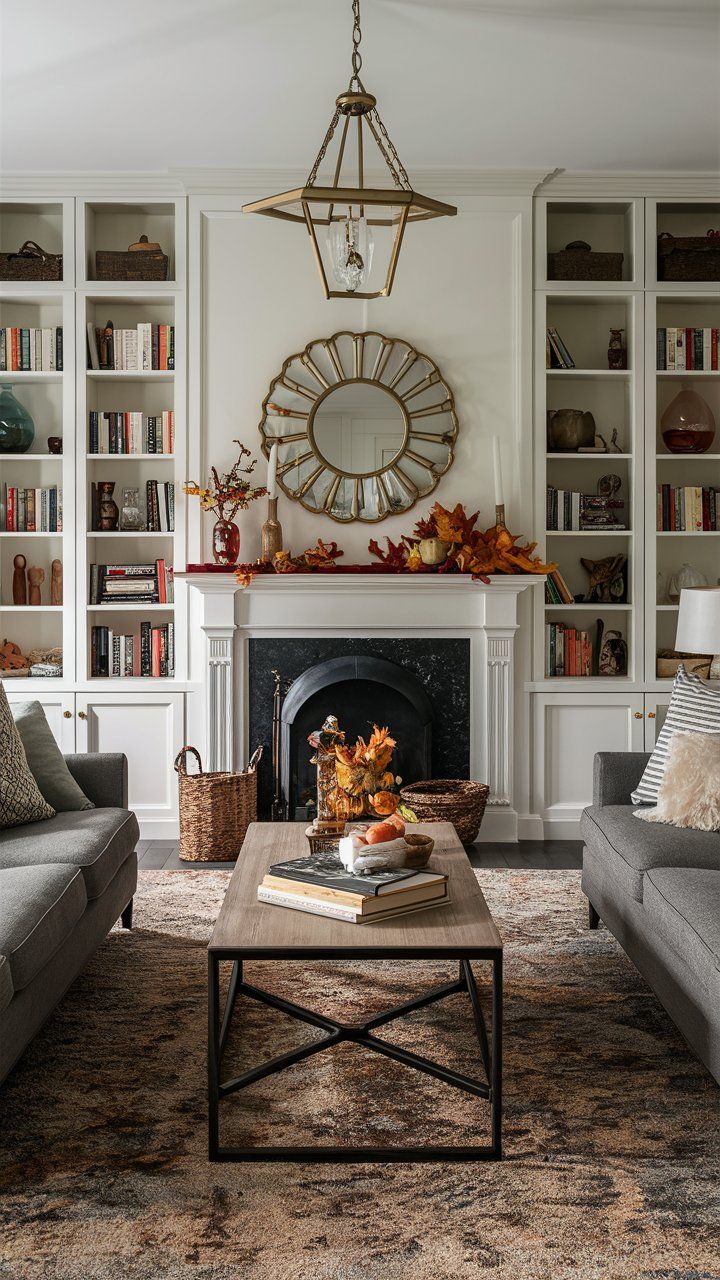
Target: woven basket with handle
{"type": "Point", "coordinates": [31, 262]}
{"type": "Point", "coordinates": [216, 809]}
{"type": "Point", "coordinates": [449, 800]}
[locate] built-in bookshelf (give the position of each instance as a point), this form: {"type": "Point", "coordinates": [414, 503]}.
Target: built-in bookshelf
{"type": "Point", "coordinates": [60, 401]}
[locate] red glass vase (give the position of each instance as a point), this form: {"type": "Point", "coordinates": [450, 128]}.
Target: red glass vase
{"type": "Point", "coordinates": [225, 542]}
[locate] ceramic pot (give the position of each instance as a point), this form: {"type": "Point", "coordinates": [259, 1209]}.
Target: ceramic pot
{"type": "Point", "coordinates": [108, 513]}
{"type": "Point", "coordinates": [569, 430]}
{"type": "Point", "coordinates": [225, 542]}
{"type": "Point", "coordinates": [433, 550]}
{"type": "Point", "coordinates": [17, 429]}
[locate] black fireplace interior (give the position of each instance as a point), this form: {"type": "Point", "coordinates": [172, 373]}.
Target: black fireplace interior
{"type": "Point", "coordinates": [419, 688]}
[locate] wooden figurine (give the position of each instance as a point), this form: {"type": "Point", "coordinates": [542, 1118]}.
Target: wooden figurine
{"type": "Point", "coordinates": [56, 582]}
{"type": "Point", "coordinates": [19, 580]}
{"type": "Point", "coordinates": [36, 577]}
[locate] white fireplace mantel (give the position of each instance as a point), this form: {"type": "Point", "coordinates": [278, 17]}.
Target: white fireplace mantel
{"type": "Point", "coordinates": [366, 605]}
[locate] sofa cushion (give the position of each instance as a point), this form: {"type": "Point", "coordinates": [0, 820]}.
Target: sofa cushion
{"type": "Point", "coordinates": [20, 797]}
{"type": "Point", "coordinates": [45, 759]}
{"type": "Point", "coordinates": [683, 906]}
{"type": "Point", "coordinates": [694, 706]}
{"type": "Point", "coordinates": [630, 848]}
{"type": "Point", "coordinates": [39, 908]}
{"type": "Point", "coordinates": [6, 983]}
{"type": "Point", "coordinates": [97, 841]}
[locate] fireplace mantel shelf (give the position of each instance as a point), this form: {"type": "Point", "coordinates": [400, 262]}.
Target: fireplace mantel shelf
{"type": "Point", "coordinates": [365, 604]}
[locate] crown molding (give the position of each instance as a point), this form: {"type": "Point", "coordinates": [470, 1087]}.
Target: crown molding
{"type": "Point", "coordinates": [124, 184]}
{"type": "Point", "coordinates": [664, 186]}
{"type": "Point", "coordinates": [439, 182]}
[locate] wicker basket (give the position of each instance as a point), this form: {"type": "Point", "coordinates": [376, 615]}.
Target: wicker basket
{"type": "Point", "coordinates": [216, 809]}
{"type": "Point", "coordinates": [584, 264]}
{"type": "Point", "coordinates": [449, 800]}
{"type": "Point", "coordinates": [131, 264]}
{"type": "Point", "coordinates": [688, 257]}
{"type": "Point", "coordinates": [31, 263]}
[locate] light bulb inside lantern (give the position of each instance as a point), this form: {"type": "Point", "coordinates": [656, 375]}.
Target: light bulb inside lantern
{"type": "Point", "coordinates": [350, 245]}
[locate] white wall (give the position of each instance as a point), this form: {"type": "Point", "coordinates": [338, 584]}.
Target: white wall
{"type": "Point", "coordinates": [460, 295]}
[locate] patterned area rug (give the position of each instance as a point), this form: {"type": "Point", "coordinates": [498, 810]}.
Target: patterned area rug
{"type": "Point", "coordinates": [611, 1129]}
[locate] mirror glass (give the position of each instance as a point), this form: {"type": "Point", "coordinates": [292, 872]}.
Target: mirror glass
{"type": "Point", "coordinates": [359, 428]}
{"type": "Point", "coordinates": [365, 426]}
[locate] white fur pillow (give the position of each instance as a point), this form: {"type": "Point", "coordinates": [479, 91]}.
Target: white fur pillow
{"type": "Point", "coordinates": [689, 794]}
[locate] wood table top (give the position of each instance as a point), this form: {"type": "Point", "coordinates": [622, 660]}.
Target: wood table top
{"type": "Point", "coordinates": [461, 927]}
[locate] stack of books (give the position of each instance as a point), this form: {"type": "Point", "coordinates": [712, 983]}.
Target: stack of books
{"type": "Point", "coordinates": [321, 886]}
{"type": "Point", "coordinates": [688, 508]}
{"type": "Point", "coordinates": [131, 583]}
{"type": "Point", "coordinates": [131, 432]}
{"type": "Point", "coordinates": [149, 652]}
{"type": "Point", "coordinates": [28, 350]}
{"type": "Point", "coordinates": [147, 346]}
{"type": "Point", "coordinates": [570, 511]}
{"type": "Point", "coordinates": [557, 590]}
{"type": "Point", "coordinates": [557, 355]}
{"type": "Point", "coordinates": [30, 510]}
{"type": "Point", "coordinates": [568, 652]}
{"type": "Point", "coordinates": [682, 349]}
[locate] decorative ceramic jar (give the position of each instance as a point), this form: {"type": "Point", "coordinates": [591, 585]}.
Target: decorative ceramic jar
{"type": "Point", "coordinates": [688, 423]}
{"type": "Point", "coordinates": [685, 578]}
{"type": "Point", "coordinates": [225, 542]}
{"type": "Point", "coordinates": [108, 514]}
{"type": "Point", "coordinates": [569, 430]}
{"type": "Point", "coordinates": [17, 429]}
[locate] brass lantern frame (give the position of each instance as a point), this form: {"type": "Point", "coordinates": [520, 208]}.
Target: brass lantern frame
{"type": "Point", "coordinates": [317, 206]}
{"type": "Point", "coordinates": [395, 366]}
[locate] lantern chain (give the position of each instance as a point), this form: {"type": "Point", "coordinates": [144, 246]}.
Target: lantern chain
{"type": "Point", "coordinates": [325, 144]}
{"type": "Point", "coordinates": [356, 38]}
{"type": "Point", "coordinates": [388, 152]}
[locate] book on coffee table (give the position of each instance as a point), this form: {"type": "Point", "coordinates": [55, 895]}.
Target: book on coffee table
{"type": "Point", "coordinates": [322, 886]}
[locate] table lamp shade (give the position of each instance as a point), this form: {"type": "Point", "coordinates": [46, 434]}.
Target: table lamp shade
{"type": "Point", "coordinates": [698, 628]}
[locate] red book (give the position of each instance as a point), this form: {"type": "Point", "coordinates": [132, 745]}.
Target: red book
{"type": "Point", "coordinates": [161, 581]}
{"type": "Point", "coordinates": [11, 511]}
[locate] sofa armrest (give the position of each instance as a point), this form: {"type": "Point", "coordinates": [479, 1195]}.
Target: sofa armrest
{"type": "Point", "coordinates": [616, 774]}
{"type": "Point", "coordinates": [103, 777]}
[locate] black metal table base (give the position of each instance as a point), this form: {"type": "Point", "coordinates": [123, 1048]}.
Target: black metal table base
{"type": "Point", "coordinates": [489, 1088]}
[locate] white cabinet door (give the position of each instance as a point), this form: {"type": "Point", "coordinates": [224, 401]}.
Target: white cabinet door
{"type": "Point", "coordinates": [148, 728]}
{"type": "Point", "coordinates": [59, 711]}
{"type": "Point", "coordinates": [656, 705]}
{"type": "Point", "coordinates": [568, 729]}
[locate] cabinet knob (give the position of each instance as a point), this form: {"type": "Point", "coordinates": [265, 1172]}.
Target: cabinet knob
{"type": "Point", "coordinates": [67, 715]}
{"type": "Point", "coordinates": [638, 715]}
{"type": "Point", "coordinates": [82, 715]}
{"type": "Point", "coordinates": [651, 715]}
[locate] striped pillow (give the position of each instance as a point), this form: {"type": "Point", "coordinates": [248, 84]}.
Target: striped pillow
{"type": "Point", "coordinates": [694, 706]}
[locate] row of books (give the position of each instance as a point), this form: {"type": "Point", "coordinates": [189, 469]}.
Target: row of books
{"type": "Point", "coordinates": [568, 652]}
{"type": "Point", "coordinates": [688, 508]}
{"type": "Point", "coordinates": [557, 590]}
{"type": "Point", "coordinates": [321, 886]}
{"type": "Point", "coordinates": [557, 355]}
{"type": "Point", "coordinates": [568, 510]}
{"type": "Point", "coordinates": [147, 346]}
{"type": "Point", "coordinates": [159, 506]}
{"type": "Point", "coordinates": [147, 652]}
{"type": "Point", "coordinates": [128, 433]}
{"type": "Point", "coordinates": [682, 349]}
{"type": "Point", "coordinates": [31, 510]}
{"type": "Point", "coordinates": [131, 583]}
{"type": "Point", "coordinates": [28, 350]}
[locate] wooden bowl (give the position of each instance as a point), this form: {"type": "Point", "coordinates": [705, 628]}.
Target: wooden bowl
{"type": "Point", "coordinates": [418, 851]}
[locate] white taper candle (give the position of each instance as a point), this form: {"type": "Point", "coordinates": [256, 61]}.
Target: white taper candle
{"type": "Point", "coordinates": [272, 472]}
{"type": "Point", "coordinates": [498, 472]}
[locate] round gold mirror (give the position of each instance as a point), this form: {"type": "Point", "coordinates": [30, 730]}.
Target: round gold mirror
{"type": "Point", "coordinates": [365, 426]}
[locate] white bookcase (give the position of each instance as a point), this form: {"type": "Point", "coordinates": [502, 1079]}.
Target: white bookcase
{"type": "Point", "coordinates": [89, 713]}
{"type": "Point", "coordinates": [572, 718]}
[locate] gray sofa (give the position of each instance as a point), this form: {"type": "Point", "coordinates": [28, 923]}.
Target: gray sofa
{"type": "Point", "coordinates": [657, 888]}
{"type": "Point", "coordinates": [63, 884]}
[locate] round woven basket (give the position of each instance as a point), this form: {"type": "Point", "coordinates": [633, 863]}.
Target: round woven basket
{"type": "Point", "coordinates": [449, 800]}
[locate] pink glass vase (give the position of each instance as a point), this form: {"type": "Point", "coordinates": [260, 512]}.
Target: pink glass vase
{"type": "Point", "coordinates": [225, 542]}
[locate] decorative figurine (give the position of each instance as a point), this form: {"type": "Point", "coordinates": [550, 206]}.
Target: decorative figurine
{"type": "Point", "coordinates": [108, 514]}
{"type": "Point", "coordinates": [19, 581]}
{"type": "Point", "coordinates": [36, 577]}
{"type": "Point", "coordinates": [607, 579]}
{"type": "Point", "coordinates": [613, 653]}
{"type": "Point", "coordinates": [130, 517]}
{"type": "Point", "coordinates": [570, 430]}
{"type": "Point", "coordinates": [55, 444]}
{"type": "Point", "coordinates": [56, 582]}
{"type": "Point", "coordinates": [617, 353]}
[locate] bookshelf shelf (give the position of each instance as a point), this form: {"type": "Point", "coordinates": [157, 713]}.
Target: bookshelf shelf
{"type": "Point", "coordinates": [130, 457]}
{"type": "Point", "coordinates": [31, 608]}
{"type": "Point", "coordinates": [687, 533]}
{"type": "Point", "coordinates": [34, 375]}
{"type": "Point", "coordinates": [705, 374]}
{"type": "Point", "coordinates": [122, 533]}
{"type": "Point", "coordinates": [618, 374]}
{"type": "Point", "coordinates": [589, 457]}
{"type": "Point", "coordinates": [584, 607]}
{"type": "Point", "coordinates": [31, 457]}
{"type": "Point", "coordinates": [588, 533]}
{"type": "Point", "coordinates": [688, 457]}
{"type": "Point", "coordinates": [130, 608]}
{"type": "Point", "coordinates": [32, 533]}
{"type": "Point", "coordinates": [131, 375]}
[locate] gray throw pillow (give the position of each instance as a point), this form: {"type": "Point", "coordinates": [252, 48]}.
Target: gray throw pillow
{"type": "Point", "coordinates": [20, 798]}
{"type": "Point", "coordinates": [46, 760]}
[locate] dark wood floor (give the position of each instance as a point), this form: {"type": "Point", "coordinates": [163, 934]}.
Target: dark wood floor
{"type": "Point", "coordinates": [538, 855]}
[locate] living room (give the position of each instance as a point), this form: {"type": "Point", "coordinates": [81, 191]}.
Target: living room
{"type": "Point", "coordinates": [359, 566]}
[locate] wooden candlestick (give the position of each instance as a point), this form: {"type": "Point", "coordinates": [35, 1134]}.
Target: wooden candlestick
{"type": "Point", "coordinates": [271, 534]}
{"type": "Point", "coordinates": [500, 515]}
{"type": "Point", "coordinates": [19, 580]}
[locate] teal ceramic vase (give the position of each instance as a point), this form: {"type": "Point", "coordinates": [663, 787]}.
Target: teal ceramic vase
{"type": "Point", "coordinates": [17, 429]}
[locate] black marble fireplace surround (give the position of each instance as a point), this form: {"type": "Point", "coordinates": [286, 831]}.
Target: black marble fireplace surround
{"type": "Point", "coordinates": [419, 688]}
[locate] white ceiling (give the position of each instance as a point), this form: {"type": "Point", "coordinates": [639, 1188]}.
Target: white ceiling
{"type": "Point", "coordinates": [155, 84]}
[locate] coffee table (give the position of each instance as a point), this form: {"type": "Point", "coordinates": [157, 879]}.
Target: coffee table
{"type": "Point", "coordinates": [462, 930]}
